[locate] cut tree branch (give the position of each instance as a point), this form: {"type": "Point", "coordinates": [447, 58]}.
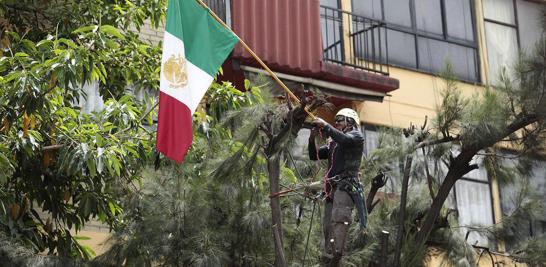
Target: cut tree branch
{"type": "Point", "coordinates": [437, 141]}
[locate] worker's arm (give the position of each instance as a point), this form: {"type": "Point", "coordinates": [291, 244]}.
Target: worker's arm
{"type": "Point", "coordinates": [344, 139]}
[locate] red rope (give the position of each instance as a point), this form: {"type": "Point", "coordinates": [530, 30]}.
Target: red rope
{"type": "Point", "coordinates": [327, 183]}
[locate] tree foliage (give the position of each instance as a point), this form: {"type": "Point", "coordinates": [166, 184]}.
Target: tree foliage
{"type": "Point", "coordinates": [60, 166]}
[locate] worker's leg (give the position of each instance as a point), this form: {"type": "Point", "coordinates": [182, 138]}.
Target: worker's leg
{"type": "Point", "coordinates": [326, 226]}
{"type": "Point", "coordinates": [342, 211]}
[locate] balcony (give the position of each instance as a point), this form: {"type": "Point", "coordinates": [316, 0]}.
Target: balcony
{"type": "Point", "coordinates": [304, 42]}
{"type": "Point", "coordinates": [354, 41]}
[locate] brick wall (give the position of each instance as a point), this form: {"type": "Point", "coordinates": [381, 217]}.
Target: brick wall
{"type": "Point", "coordinates": [148, 33]}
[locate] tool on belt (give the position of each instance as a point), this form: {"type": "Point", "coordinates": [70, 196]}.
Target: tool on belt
{"type": "Point", "coordinates": [355, 189]}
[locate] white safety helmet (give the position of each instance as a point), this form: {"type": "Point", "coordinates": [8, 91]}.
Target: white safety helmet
{"type": "Point", "coordinates": [349, 113]}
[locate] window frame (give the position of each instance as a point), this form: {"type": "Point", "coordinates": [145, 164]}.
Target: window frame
{"type": "Point", "coordinates": [514, 26]}
{"type": "Point", "coordinates": [488, 183]}
{"type": "Point", "coordinates": [417, 33]}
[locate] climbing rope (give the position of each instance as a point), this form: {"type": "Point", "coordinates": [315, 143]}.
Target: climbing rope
{"type": "Point", "coordinates": [309, 232]}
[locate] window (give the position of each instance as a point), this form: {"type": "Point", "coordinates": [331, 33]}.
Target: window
{"type": "Point", "coordinates": [330, 3]}
{"type": "Point", "coordinates": [501, 36]}
{"type": "Point", "coordinates": [471, 195]}
{"type": "Point", "coordinates": [518, 191]}
{"type": "Point", "coordinates": [510, 25]}
{"type": "Point", "coordinates": [331, 27]}
{"type": "Point", "coordinates": [474, 203]}
{"type": "Point", "coordinates": [529, 15]}
{"type": "Point", "coordinates": [425, 34]}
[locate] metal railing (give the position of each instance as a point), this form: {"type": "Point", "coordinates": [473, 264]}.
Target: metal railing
{"type": "Point", "coordinates": [354, 41]}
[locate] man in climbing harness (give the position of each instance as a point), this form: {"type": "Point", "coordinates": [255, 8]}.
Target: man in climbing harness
{"type": "Point", "coordinates": [342, 190]}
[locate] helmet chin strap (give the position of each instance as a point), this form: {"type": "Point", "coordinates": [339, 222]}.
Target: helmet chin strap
{"type": "Point", "coordinates": [347, 126]}
{"type": "Point", "coordinates": [347, 129]}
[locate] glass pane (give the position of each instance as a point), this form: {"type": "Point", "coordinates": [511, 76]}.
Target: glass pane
{"type": "Point", "coordinates": [502, 48]}
{"type": "Point", "coordinates": [401, 48]}
{"type": "Point", "coordinates": [368, 8]}
{"type": "Point", "coordinates": [511, 198]}
{"type": "Point", "coordinates": [429, 16]}
{"type": "Point", "coordinates": [330, 22]}
{"type": "Point", "coordinates": [398, 12]}
{"type": "Point", "coordinates": [529, 15]}
{"type": "Point", "coordinates": [474, 208]}
{"type": "Point", "coordinates": [368, 40]}
{"type": "Point", "coordinates": [372, 141]}
{"type": "Point", "coordinates": [299, 148]}
{"type": "Point", "coordinates": [330, 3]}
{"type": "Point", "coordinates": [459, 19]}
{"type": "Point", "coordinates": [481, 172]}
{"type": "Point", "coordinates": [499, 10]}
{"type": "Point", "coordinates": [434, 55]}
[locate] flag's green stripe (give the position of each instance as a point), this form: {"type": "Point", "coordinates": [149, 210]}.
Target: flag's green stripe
{"type": "Point", "coordinates": [207, 43]}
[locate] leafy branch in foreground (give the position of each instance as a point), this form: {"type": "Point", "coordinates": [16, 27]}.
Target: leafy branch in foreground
{"type": "Point", "coordinates": [64, 166]}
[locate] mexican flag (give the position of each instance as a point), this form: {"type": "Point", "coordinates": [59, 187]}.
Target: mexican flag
{"type": "Point", "coordinates": [194, 47]}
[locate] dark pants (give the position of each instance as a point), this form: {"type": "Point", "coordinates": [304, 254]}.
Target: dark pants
{"type": "Point", "coordinates": [336, 222]}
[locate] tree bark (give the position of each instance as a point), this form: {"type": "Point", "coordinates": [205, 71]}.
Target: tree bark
{"type": "Point", "coordinates": [294, 122]}
{"type": "Point", "coordinates": [377, 182]}
{"type": "Point", "coordinates": [427, 173]}
{"type": "Point", "coordinates": [273, 168]}
{"type": "Point", "coordinates": [460, 166]}
{"type": "Point", "coordinates": [402, 215]}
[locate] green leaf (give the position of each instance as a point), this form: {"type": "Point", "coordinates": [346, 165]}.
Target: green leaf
{"type": "Point", "coordinates": [67, 42]}
{"type": "Point", "coordinates": [111, 30]}
{"type": "Point", "coordinates": [91, 166]}
{"type": "Point", "coordinates": [143, 49]}
{"type": "Point", "coordinates": [116, 165]}
{"type": "Point", "coordinates": [45, 43]}
{"type": "Point", "coordinates": [85, 29]}
{"type": "Point", "coordinates": [88, 206]}
{"type": "Point", "coordinates": [247, 84]}
{"type": "Point", "coordinates": [289, 175]}
{"type": "Point", "coordinates": [20, 54]}
{"type": "Point", "coordinates": [88, 252]}
{"type": "Point", "coordinates": [112, 208]}
{"type": "Point", "coordinates": [111, 44]}
{"type": "Point", "coordinates": [29, 45]}
{"type": "Point", "coordinates": [81, 237]}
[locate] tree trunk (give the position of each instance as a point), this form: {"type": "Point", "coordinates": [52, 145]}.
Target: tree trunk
{"type": "Point", "coordinates": [402, 217]}
{"type": "Point", "coordinates": [377, 182]}
{"type": "Point", "coordinates": [273, 168]}
{"type": "Point", "coordinates": [427, 173]}
{"type": "Point", "coordinates": [459, 167]}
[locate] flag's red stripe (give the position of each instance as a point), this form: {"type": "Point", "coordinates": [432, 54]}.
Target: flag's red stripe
{"type": "Point", "coordinates": [174, 128]}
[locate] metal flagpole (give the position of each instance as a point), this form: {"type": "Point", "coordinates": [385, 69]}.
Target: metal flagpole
{"type": "Point", "coordinates": [247, 48]}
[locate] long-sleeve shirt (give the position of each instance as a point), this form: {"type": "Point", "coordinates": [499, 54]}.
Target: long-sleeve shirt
{"type": "Point", "coordinates": [344, 152]}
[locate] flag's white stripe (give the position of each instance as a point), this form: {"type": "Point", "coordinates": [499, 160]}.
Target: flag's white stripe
{"type": "Point", "coordinates": [198, 80]}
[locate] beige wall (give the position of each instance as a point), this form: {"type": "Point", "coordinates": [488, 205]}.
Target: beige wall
{"type": "Point", "coordinates": [436, 258]}
{"type": "Point", "coordinates": [418, 96]}
{"type": "Point", "coordinates": [97, 240]}
{"type": "Point", "coordinates": [95, 235]}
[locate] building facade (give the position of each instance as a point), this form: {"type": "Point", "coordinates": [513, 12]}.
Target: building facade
{"type": "Point", "coordinates": [383, 58]}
